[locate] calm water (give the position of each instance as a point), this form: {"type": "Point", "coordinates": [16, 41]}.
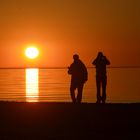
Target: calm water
{"type": "Point", "coordinates": [46, 85]}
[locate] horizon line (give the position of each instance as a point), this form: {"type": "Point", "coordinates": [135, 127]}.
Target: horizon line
{"type": "Point", "coordinates": [65, 67]}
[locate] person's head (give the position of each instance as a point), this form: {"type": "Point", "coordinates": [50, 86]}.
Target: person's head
{"type": "Point", "coordinates": [100, 54]}
{"type": "Point", "coordinates": [76, 57]}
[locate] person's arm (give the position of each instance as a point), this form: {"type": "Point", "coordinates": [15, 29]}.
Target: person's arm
{"type": "Point", "coordinates": [94, 62]}
{"type": "Point", "coordinates": [70, 69]}
{"type": "Point", "coordinates": [85, 73]}
{"type": "Point", "coordinates": [107, 61]}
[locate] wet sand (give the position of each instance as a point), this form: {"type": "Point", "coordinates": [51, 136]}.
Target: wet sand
{"type": "Point", "coordinates": [67, 121]}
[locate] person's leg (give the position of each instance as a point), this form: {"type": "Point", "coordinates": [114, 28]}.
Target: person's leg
{"type": "Point", "coordinates": [80, 90]}
{"type": "Point", "coordinates": [72, 92]}
{"type": "Point", "coordinates": [104, 83]}
{"type": "Point", "coordinates": [98, 84]}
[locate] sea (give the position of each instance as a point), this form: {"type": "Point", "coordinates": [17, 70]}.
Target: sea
{"type": "Point", "coordinates": [53, 84]}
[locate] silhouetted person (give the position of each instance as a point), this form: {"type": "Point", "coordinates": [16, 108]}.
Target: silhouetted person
{"type": "Point", "coordinates": [79, 76]}
{"type": "Point", "coordinates": [101, 77]}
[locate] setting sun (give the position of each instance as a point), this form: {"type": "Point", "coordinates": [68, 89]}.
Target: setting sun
{"type": "Point", "coordinates": [32, 52]}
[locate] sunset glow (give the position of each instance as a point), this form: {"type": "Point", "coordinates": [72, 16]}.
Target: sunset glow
{"type": "Point", "coordinates": [60, 29]}
{"type": "Point", "coordinates": [31, 52]}
{"type": "Point", "coordinates": [32, 88]}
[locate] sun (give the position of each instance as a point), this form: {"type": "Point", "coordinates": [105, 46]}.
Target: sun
{"type": "Point", "coordinates": [32, 52]}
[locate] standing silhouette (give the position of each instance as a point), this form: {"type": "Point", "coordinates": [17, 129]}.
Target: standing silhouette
{"type": "Point", "coordinates": [79, 76]}
{"type": "Point", "coordinates": [101, 77]}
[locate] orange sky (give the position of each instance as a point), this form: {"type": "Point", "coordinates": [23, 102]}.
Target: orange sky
{"type": "Point", "coordinates": [61, 28]}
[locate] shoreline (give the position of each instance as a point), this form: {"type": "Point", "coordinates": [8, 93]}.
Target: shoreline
{"type": "Point", "coordinates": [68, 102]}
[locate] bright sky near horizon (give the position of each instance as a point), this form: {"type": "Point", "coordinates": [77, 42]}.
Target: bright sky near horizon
{"type": "Point", "coordinates": [61, 28]}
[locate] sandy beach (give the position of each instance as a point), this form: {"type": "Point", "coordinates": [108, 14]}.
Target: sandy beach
{"type": "Point", "coordinates": [67, 121]}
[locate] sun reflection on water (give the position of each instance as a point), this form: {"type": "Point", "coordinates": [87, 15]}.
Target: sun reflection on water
{"type": "Point", "coordinates": [32, 88]}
